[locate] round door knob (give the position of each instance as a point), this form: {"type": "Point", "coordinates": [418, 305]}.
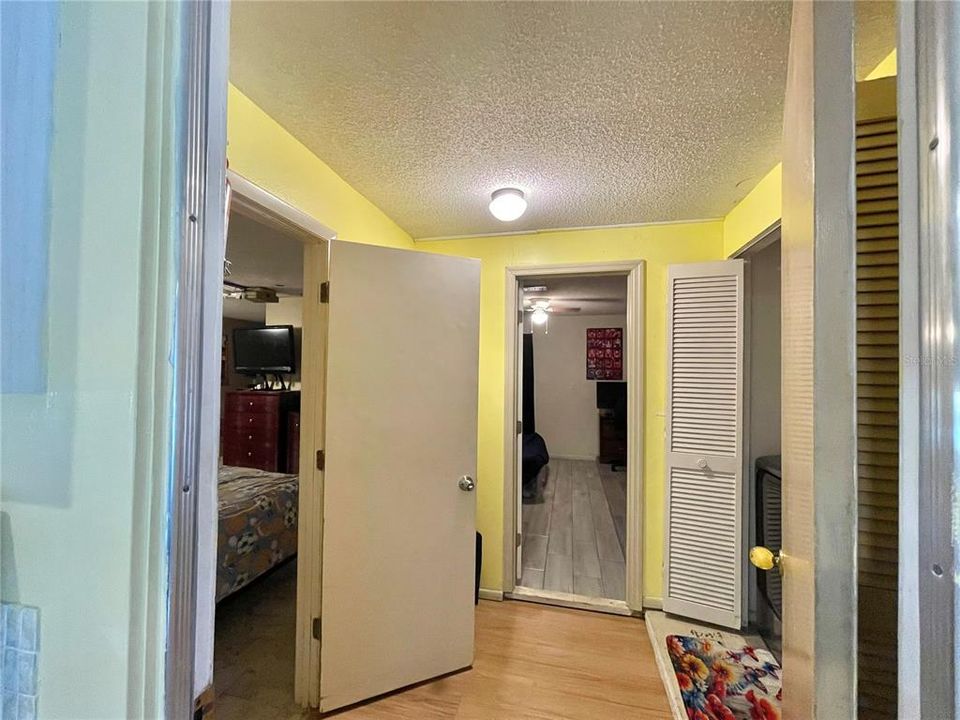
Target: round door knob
{"type": "Point", "coordinates": [765, 559]}
{"type": "Point", "coordinates": [702, 463]}
{"type": "Point", "coordinates": [466, 483]}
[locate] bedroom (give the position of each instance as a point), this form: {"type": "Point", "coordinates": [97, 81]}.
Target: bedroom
{"type": "Point", "coordinates": [258, 477]}
{"type": "Point", "coordinates": [573, 384]}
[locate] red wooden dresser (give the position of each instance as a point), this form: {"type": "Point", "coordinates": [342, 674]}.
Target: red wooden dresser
{"type": "Point", "coordinates": [255, 431]}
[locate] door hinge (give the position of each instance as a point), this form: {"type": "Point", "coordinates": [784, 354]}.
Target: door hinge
{"type": "Point", "coordinates": [519, 539]}
{"type": "Point", "coordinates": [325, 292]}
{"type": "Point", "coordinates": [519, 427]}
{"type": "Point", "coordinates": [321, 459]}
{"type": "Point", "coordinates": [519, 317]}
{"type": "Point", "coordinates": [316, 628]}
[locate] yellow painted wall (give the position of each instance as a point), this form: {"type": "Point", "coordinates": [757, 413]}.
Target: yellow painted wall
{"type": "Point", "coordinates": [762, 205]}
{"type": "Point", "coordinates": [886, 68]}
{"type": "Point", "coordinates": [659, 246]}
{"type": "Point", "coordinates": [754, 214]}
{"type": "Point", "coordinates": [263, 152]}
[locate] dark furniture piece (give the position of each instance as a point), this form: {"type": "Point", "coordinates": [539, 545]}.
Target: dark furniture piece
{"type": "Point", "coordinates": [613, 439]}
{"type": "Point", "coordinates": [612, 423]}
{"type": "Point", "coordinates": [255, 429]}
{"type": "Point", "coordinates": [769, 509]}
{"type": "Point", "coordinates": [293, 442]}
{"type": "Point", "coordinates": [535, 458]}
{"type": "Point", "coordinates": [476, 570]}
{"type": "Point", "coordinates": [533, 446]}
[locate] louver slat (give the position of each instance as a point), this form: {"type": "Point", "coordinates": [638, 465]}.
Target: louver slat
{"type": "Point", "coordinates": [704, 423]}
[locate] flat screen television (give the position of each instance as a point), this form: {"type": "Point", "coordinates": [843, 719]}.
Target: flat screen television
{"type": "Point", "coordinates": [264, 350]}
{"type": "Point", "coordinates": [610, 394]}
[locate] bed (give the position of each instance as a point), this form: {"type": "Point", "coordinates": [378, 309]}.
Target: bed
{"type": "Point", "coordinates": [257, 526]}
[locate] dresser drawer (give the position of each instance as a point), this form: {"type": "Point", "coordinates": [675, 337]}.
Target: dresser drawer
{"type": "Point", "coordinates": [262, 457]}
{"type": "Point", "coordinates": [256, 434]}
{"type": "Point", "coordinates": [240, 422]}
{"type": "Point", "coordinates": [251, 402]}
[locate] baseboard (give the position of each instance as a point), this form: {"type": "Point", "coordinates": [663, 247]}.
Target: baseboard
{"type": "Point", "coordinates": [488, 594]}
{"type": "Point", "coordinates": [652, 603]}
{"type": "Point", "coordinates": [203, 705]}
{"type": "Point", "coordinates": [572, 457]}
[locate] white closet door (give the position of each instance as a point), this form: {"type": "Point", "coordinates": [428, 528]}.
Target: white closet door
{"type": "Point", "coordinates": [704, 554]}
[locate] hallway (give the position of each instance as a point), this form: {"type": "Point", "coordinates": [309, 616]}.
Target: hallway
{"type": "Point", "coordinates": [574, 533]}
{"type": "Point", "coordinates": [532, 662]}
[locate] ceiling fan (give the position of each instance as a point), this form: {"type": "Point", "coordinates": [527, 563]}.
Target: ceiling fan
{"type": "Point", "coordinates": [542, 308]}
{"type": "Point", "coordinates": [252, 293]}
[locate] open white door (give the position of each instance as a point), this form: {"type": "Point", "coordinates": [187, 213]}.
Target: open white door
{"type": "Point", "coordinates": [704, 555]}
{"type": "Point", "coordinates": [397, 579]}
{"type": "Point", "coordinates": [819, 367]}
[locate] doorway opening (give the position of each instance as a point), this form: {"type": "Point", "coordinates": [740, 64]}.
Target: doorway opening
{"type": "Point", "coordinates": [258, 478]}
{"type": "Point", "coordinates": [574, 397]}
{"type": "Point", "coordinates": [250, 513]}
{"type": "Point", "coordinates": [763, 480]}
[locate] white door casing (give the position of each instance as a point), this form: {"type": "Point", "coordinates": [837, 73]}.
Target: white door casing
{"type": "Point", "coordinates": [397, 588]}
{"type": "Point", "coordinates": [704, 551]}
{"type": "Point", "coordinates": [819, 366]}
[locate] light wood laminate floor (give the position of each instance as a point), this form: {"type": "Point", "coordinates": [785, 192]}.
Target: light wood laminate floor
{"type": "Point", "coordinates": [574, 531]}
{"type": "Point", "coordinates": [533, 662]}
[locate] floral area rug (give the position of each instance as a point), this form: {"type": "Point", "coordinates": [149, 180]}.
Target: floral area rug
{"type": "Point", "coordinates": [718, 682]}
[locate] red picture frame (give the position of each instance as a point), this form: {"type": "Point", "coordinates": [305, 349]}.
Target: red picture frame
{"type": "Point", "coordinates": [604, 353]}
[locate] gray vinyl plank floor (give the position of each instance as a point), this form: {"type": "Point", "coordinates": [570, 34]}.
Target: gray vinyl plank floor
{"type": "Point", "coordinates": [574, 531]}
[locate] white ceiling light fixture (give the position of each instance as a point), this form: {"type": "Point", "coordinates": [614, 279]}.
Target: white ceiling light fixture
{"type": "Point", "coordinates": [541, 310]}
{"type": "Point", "coordinates": [507, 204]}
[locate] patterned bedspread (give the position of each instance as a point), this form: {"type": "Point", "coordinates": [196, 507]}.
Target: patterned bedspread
{"type": "Point", "coordinates": [258, 525]}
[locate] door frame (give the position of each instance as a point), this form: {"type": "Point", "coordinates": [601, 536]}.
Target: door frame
{"type": "Point", "coordinates": [203, 97]}
{"type": "Point", "coordinates": [928, 113]}
{"type": "Point", "coordinates": [634, 270]}
{"type": "Point", "coordinates": [254, 202]}
{"type": "Point", "coordinates": [818, 334]}
{"type": "Point", "coordinates": [760, 242]}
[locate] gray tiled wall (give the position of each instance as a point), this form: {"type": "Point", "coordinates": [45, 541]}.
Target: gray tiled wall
{"type": "Point", "coordinates": [19, 645]}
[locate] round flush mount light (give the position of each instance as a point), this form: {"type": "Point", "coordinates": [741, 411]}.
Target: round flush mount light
{"type": "Point", "coordinates": [507, 204]}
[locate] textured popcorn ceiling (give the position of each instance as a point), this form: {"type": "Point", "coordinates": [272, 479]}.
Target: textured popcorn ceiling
{"type": "Point", "coordinates": [604, 113]}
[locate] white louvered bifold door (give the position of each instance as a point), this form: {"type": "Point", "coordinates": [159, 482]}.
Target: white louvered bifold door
{"type": "Point", "coordinates": [704, 554]}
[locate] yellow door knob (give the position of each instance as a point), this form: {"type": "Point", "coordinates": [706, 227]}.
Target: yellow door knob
{"type": "Point", "coordinates": [764, 559]}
